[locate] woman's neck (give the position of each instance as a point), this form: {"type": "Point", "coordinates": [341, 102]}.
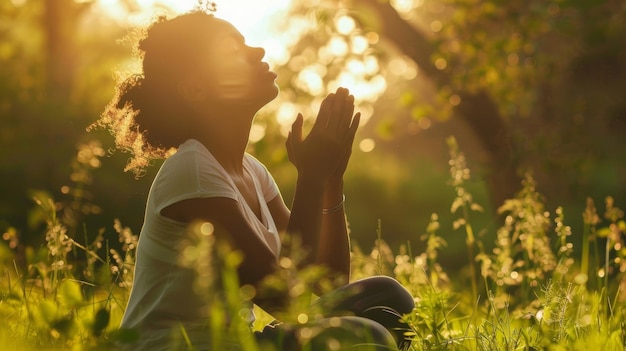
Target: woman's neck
{"type": "Point", "coordinates": [226, 137]}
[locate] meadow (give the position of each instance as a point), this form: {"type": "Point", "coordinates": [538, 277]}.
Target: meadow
{"type": "Point", "coordinates": [534, 289]}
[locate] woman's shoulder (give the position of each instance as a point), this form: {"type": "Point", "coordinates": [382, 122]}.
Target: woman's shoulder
{"type": "Point", "coordinates": [191, 171]}
{"type": "Point", "coordinates": [257, 165]}
{"type": "Point", "coordinates": [192, 146]}
{"type": "Point", "coordinates": [191, 151]}
{"type": "Point", "coordinates": [190, 160]}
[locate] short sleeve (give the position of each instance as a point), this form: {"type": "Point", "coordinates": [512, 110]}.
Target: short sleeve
{"type": "Point", "coordinates": [268, 186]}
{"type": "Point", "coordinates": [190, 173]}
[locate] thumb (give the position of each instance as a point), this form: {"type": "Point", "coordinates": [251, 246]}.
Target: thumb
{"type": "Point", "coordinates": [289, 147]}
{"type": "Point", "coordinates": [296, 128]}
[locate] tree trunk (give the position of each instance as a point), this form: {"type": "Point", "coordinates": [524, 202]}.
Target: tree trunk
{"type": "Point", "coordinates": [478, 109]}
{"type": "Point", "coordinates": [60, 25]}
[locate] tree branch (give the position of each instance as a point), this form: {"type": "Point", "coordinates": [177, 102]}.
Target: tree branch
{"type": "Point", "coordinates": [478, 109]}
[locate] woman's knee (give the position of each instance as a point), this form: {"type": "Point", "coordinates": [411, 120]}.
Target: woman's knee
{"type": "Point", "coordinates": [352, 333]}
{"type": "Point", "coordinates": [382, 291]}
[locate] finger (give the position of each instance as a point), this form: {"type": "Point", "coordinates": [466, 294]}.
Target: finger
{"type": "Point", "coordinates": [342, 116]}
{"type": "Point", "coordinates": [347, 113]}
{"type": "Point", "coordinates": [289, 147]}
{"type": "Point", "coordinates": [343, 95]}
{"type": "Point", "coordinates": [325, 112]}
{"type": "Point", "coordinates": [340, 106]}
{"type": "Point", "coordinates": [341, 91]}
{"type": "Point", "coordinates": [350, 135]}
{"type": "Point", "coordinates": [296, 128]}
{"type": "Point", "coordinates": [347, 151]}
{"type": "Point", "coordinates": [354, 126]}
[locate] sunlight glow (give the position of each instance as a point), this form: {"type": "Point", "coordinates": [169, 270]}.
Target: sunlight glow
{"type": "Point", "coordinates": [337, 47]}
{"type": "Point", "coordinates": [359, 44]}
{"type": "Point", "coordinates": [424, 123]}
{"type": "Point", "coordinates": [257, 132]}
{"type": "Point", "coordinates": [404, 6]}
{"type": "Point", "coordinates": [264, 26]}
{"type": "Point", "coordinates": [305, 333]}
{"type": "Point", "coordinates": [361, 87]}
{"type": "Point", "coordinates": [356, 67]}
{"type": "Point", "coordinates": [436, 26]}
{"type": "Point", "coordinates": [372, 38]}
{"type": "Point", "coordinates": [207, 228]}
{"type": "Point", "coordinates": [367, 145]}
{"type": "Point", "coordinates": [371, 65]}
{"type": "Point", "coordinates": [441, 63]}
{"type": "Point", "coordinates": [455, 100]}
{"type": "Point", "coordinates": [252, 18]}
{"type": "Point", "coordinates": [287, 113]}
{"type": "Point", "coordinates": [310, 80]}
{"type": "Point", "coordinates": [345, 25]}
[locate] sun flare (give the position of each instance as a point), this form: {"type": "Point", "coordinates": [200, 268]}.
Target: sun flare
{"type": "Point", "coordinates": [253, 18]}
{"type": "Point", "coordinates": [260, 25]}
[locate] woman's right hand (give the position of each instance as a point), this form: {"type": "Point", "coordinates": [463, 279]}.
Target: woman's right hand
{"type": "Point", "coordinates": [327, 147]}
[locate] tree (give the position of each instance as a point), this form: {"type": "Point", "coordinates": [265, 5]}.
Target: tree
{"type": "Point", "coordinates": [50, 77]}
{"type": "Point", "coordinates": [477, 107]}
{"type": "Point", "coordinates": [508, 69]}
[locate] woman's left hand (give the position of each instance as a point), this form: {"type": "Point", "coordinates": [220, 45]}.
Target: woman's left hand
{"type": "Point", "coordinates": [335, 121]}
{"type": "Point", "coordinates": [345, 103]}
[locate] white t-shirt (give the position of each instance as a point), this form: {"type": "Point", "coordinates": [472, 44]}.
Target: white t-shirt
{"type": "Point", "coordinates": [162, 295]}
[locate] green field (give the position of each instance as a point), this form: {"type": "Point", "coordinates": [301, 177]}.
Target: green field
{"type": "Point", "coordinates": [534, 290]}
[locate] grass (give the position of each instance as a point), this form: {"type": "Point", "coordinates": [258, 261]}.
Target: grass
{"type": "Point", "coordinates": [530, 292]}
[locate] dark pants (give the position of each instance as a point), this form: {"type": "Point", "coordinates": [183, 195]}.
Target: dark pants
{"type": "Point", "coordinates": [367, 310]}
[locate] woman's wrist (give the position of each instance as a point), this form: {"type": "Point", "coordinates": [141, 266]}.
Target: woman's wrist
{"type": "Point", "coordinates": [334, 183]}
{"type": "Point", "coordinates": [311, 181]}
{"type": "Point", "coordinates": [333, 193]}
{"type": "Point", "coordinates": [336, 208]}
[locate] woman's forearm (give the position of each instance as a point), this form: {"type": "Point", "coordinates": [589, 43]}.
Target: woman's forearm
{"type": "Point", "coordinates": [305, 221]}
{"type": "Point", "coordinates": [334, 246]}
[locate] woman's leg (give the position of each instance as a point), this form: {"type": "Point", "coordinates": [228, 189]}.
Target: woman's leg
{"type": "Point", "coordinates": [380, 298]}
{"type": "Point", "coordinates": [350, 333]}
{"type": "Point", "coordinates": [347, 333]}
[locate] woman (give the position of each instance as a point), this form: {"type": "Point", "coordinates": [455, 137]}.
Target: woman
{"type": "Point", "coordinates": [199, 92]}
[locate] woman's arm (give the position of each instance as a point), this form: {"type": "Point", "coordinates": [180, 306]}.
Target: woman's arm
{"type": "Point", "coordinates": [334, 246]}
{"type": "Point", "coordinates": [321, 160]}
{"type": "Point", "coordinates": [333, 250]}
{"type": "Point", "coordinates": [231, 227]}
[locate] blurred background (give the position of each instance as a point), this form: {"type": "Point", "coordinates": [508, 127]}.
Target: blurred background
{"type": "Point", "coordinates": [524, 86]}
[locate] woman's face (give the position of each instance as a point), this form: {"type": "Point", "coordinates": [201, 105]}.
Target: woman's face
{"type": "Point", "coordinates": [235, 71]}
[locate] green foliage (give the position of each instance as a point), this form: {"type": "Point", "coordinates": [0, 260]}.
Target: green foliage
{"type": "Point", "coordinates": [548, 67]}
{"type": "Point", "coordinates": [534, 296]}
{"type": "Point", "coordinates": [555, 71]}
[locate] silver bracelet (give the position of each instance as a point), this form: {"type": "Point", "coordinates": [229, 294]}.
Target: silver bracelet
{"type": "Point", "coordinates": [335, 208]}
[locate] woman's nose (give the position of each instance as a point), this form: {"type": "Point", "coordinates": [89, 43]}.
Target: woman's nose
{"type": "Point", "coordinates": [257, 53]}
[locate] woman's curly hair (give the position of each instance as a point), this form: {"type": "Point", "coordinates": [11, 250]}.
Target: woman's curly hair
{"type": "Point", "coordinates": [146, 114]}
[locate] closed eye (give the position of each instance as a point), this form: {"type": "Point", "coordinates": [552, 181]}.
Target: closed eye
{"type": "Point", "coordinates": [237, 42]}
{"type": "Point", "coordinates": [231, 44]}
